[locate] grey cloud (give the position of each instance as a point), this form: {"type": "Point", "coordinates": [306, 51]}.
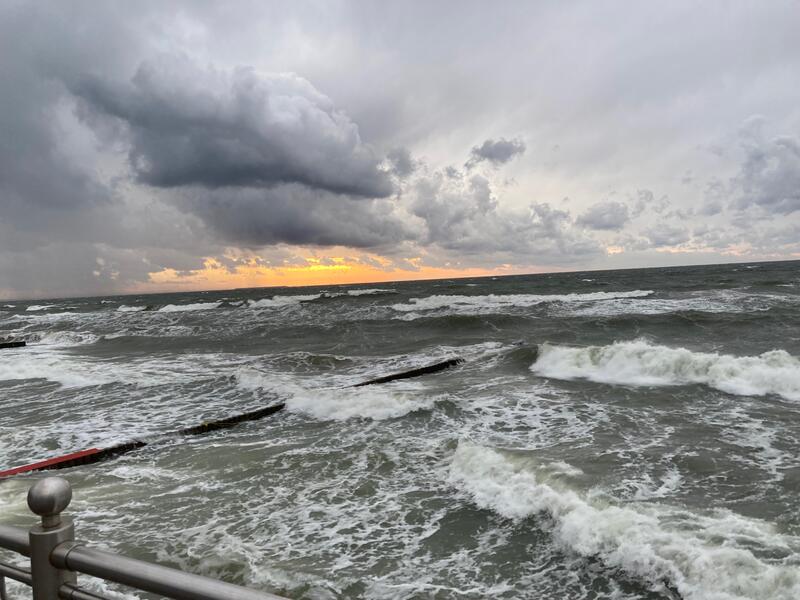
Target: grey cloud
{"type": "Point", "coordinates": [463, 216]}
{"type": "Point", "coordinates": [665, 234]}
{"type": "Point", "coordinates": [192, 125]}
{"type": "Point", "coordinates": [608, 215]}
{"type": "Point", "coordinates": [295, 214]}
{"type": "Point", "coordinates": [769, 177]}
{"type": "Point", "coordinates": [63, 200]}
{"type": "Point", "coordinates": [715, 197]}
{"type": "Point", "coordinates": [36, 175]}
{"type": "Point", "coordinates": [495, 152]}
{"type": "Point", "coordinates": [401, 162]}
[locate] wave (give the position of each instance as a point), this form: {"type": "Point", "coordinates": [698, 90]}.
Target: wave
{"type": "Point", "coordinates": [282, 301]}
{"type": "Point", "coordinates": [643, 364]}
{"type": "Point", "coordinates": [376, 403]}
{"type": "Point", "coordinates": [699, 555]}
{"type": "Point", "coordinates": [125, 308]}
{"type": "Point", "coordinates": [187, 307]}
{"type": "Point", "coordinates": [38, 307]}
{"type": "Point", "coordinates": [492, 302]}
{"type": "Point", "coordinates": [369, 292]}
{"type": "Point", "coordinates": [725, 301]}
{"type": "Point", "coordinates": [63, 338]}
{"type": "Point", "coordinates": [57, 369]}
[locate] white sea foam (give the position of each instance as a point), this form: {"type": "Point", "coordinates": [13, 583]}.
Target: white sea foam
{"type": "Point", "coordinates": [339, 404]}
{"type": "Point", "coordinates": [64, 338]}
{"type": "Point", "coordinates": [38, 307]}
{"type": "Point", "coordinates": [282, 301]}
{"type": "Point", "coordinates": [369, 292]}
{"type": "Point", "coordinates": [641, 363]}
{"type": "Point", "coordinates": [126, 308]}
{"type": "Point", "coordinates": [722, 301]}
{"type": "Point", "coordinates": [56, 368]}
{"type": "Point", "coordinates": [187, 307]}
{"type": "Point", "coordinates": [758, 437]}
{"type": "Point", "coordinates": [492, 302]}
{"type": "Point", "coordinates": [369, 402]}
{"type": "Point", "coordinates": [647, 488]}
{"type": "Point", "coordinates": [702, 556]}
{"type": "Point", "coordinates": [51, 363]}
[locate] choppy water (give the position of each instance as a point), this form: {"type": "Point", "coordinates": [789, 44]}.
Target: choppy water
{"type": "Point", "coordinates": [628, 434]}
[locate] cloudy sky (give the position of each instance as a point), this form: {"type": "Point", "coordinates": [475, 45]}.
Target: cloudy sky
{"type": "Point", "coordinates": [149, 146]}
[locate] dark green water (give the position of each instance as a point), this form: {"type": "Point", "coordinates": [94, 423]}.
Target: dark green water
{"type": "Point", "coordinates": [627, 434]}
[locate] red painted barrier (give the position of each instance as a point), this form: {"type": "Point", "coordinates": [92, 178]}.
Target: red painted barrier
{"type": "Point", "coordinates": [93, 455]}
{"type": "Point", "coordinates": [44, 464]}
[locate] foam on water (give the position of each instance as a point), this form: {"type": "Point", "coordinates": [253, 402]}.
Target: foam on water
{"type": "Point", "coordinates": [647, 488]}
{"type": "Point", "coordinates": [494, 302]}
{"type": "Point", "coordinates": [51, 367]}
{"type": "Point", "coordinates": [52, 364]}
{"type": "Point", "coordinates": [38, 307]}
{"type": "Point", "coordinates": [340, 404]}
{"type": "Point", "coordinates": [187, 307]}
{"type": "Point", "coordinates": [369, 292]}
{"type": "Point", "coordinates": [63, 338]}
{"type": "Point", "coordinates": [723, 301]}
{"type": "Point", "coordinates": [643, 364]}
{"type": "Point", "coordinates": [702, 556]}
{"type": "Point", "coordinates": [125, 308]}
{"type": "Point", "coordinates": [282, 301]}
{"type": "Point", "coordinates": [757, 438]}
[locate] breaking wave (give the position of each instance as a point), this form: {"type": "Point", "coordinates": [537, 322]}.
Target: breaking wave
{"type": "Point", "coordinates": [38, 307]}
{"type": "Point", "coordinates": [491, 302]}
{"type": "Point", "coordinates": [699, 555]}
{"type": "Point", "coordinates": [369, 292]}
{"type": "Point", "coordinates": [63, 338]}
{"type": "Point", "coordinates": [125, 308]}
{"type": "Point", "coordinates": [375, 403]}
{"type": "Point", "coordinates": [282, 301]}
{"type": "Point", "coordinates": [186, 307]}
{"type": "Point", "coordinates": [641, 363]}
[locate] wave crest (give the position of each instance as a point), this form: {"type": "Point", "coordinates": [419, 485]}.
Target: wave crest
{"type": "Point", "coordinates": [376, 403]}
{"type": "Point", "coordinates": [169, 308]}
{"type": "Point", "coordinates": [697, 554]}
{"type": "Point", "coordinates": [641, 363]}
{"type": "Point", "coordinates": [490, 302]}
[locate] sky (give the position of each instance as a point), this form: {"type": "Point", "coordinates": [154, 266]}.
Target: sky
{"type": "Point", "coordinates": [159, 146]}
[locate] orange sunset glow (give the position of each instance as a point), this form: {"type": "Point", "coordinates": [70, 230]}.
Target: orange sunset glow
{"type": "Point", "coordinates": [315, 271]}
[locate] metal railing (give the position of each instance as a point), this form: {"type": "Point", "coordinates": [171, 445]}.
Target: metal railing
{"type": "Point", "coordinates": [56, 559]}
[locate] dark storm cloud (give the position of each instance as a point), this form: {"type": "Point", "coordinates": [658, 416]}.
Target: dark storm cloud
{"type": "Point", "coordinates": [495, 152]}
{"type": "Point", "coordinates": [35, 174]}
{"type": "Point", "coordinates": [193, 125]}
{"type": "Point", "coordinates": [295, 214]}
{"type": "Point", "coordinates": [605, 216]}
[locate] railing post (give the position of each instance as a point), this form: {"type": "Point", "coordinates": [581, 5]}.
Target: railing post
{"type": "Point", "coordinates": [47, 498]}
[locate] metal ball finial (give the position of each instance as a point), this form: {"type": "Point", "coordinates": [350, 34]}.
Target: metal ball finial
{"type": "Point", "coordinates": [48, 498]}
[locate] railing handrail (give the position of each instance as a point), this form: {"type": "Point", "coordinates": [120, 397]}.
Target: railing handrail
{"type": "Point", "coordinates": [15, 539]}
{"type": "Point", "coordinates": [56, 558]}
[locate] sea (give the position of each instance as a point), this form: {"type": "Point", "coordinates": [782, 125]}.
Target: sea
{"type": "Point", "coordinates": [630, 434]}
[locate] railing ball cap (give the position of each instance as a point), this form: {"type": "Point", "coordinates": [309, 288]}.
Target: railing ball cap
{"type": "Point", "coordinates": [50, 496]}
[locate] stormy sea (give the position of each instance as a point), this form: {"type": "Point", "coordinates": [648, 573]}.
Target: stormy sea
{"type": "Point", "coordinates": [609, 435]}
